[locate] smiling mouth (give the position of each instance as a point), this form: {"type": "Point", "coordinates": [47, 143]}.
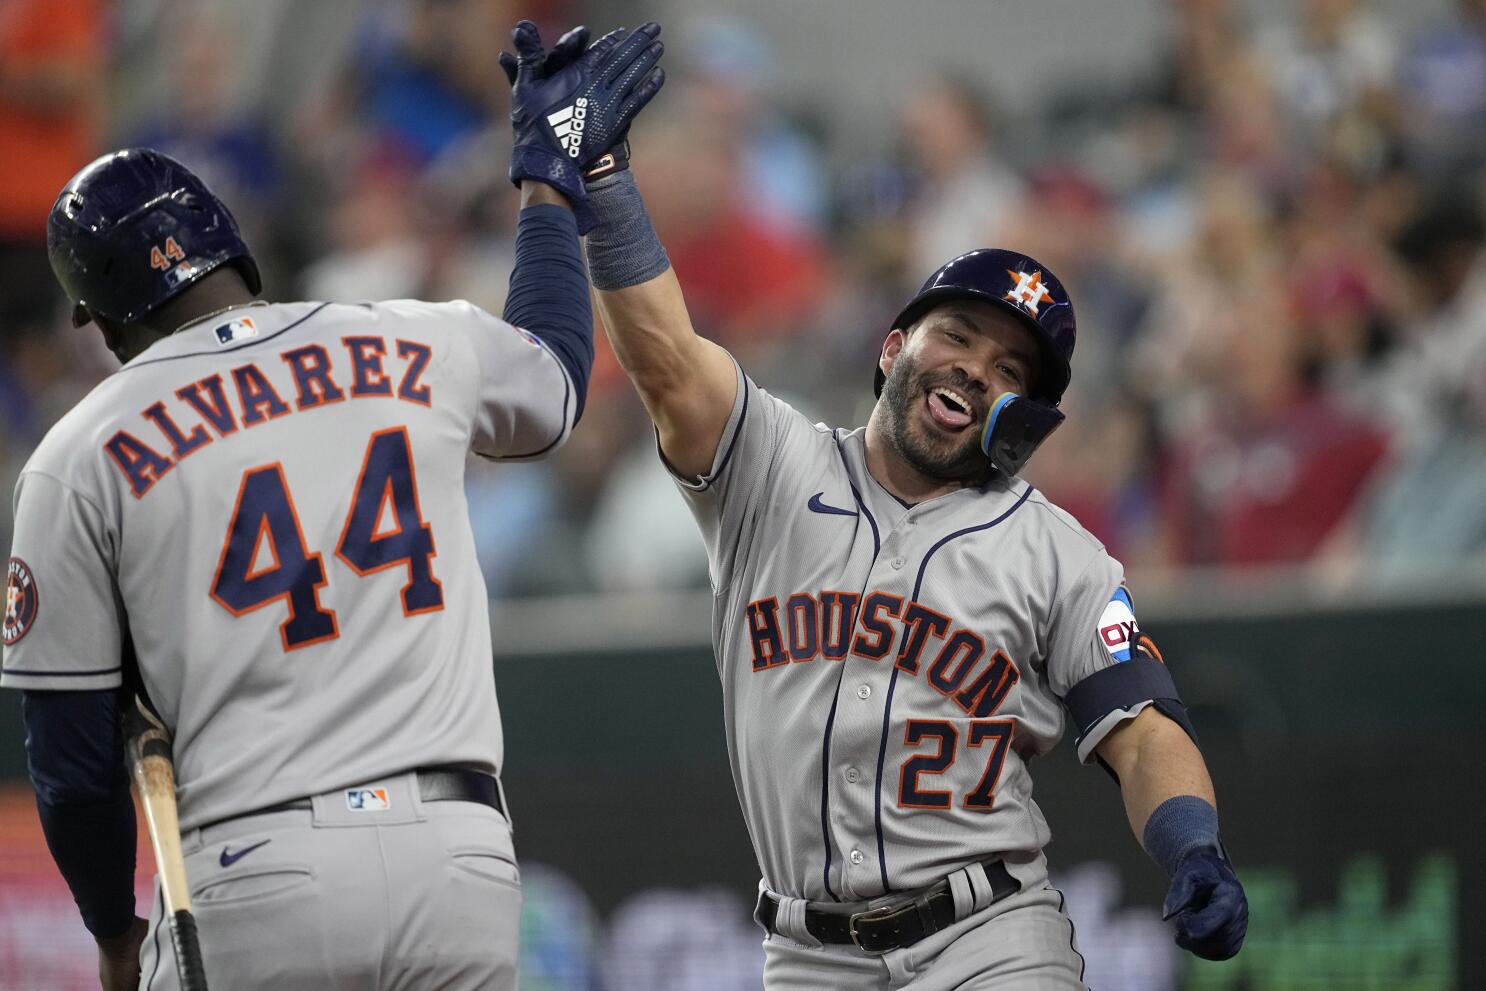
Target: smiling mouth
{"type": "Point", "coordinates": [949, 409]}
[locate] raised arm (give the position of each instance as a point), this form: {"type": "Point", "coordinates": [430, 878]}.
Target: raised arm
{"type": "Point", "coordinates": [567, 104]}
{"type": "Point", "coordinates": [688, 383]}
{"type": "Point", "coordinates": [571, 108]}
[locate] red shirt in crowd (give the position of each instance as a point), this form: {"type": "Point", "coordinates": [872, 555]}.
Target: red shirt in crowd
{"type": "Point", "coordinates": [1271, 491]}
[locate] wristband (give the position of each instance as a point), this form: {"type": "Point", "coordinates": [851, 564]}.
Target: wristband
{"type": "Point", "coordinates": [1177, 827]}
{"type": "Point", "coordinates": [623, 249]}
{"type": "Point", "coordinates": [616, 159]}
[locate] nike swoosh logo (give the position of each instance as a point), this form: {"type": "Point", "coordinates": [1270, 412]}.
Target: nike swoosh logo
{"type": "Point", "coordinates": [816, 506]}
{"type": "Point", "coordinates": [228, 859]}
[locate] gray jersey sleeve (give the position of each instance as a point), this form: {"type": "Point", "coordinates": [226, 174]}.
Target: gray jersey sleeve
{"type": "Point", "coordinates": [64, 622]}
{"type": "Point", "coordinates": [1093, 625]}
{"type": "Point", "coordinates": [727, 501]}
{"type": "Point", "coordinates": [524, 402]}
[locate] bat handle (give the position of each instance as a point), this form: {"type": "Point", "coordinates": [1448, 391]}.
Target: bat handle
{"type": "Point", "coordinates": [187, 951]}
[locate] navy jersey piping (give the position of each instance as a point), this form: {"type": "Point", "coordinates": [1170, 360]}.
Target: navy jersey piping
{"type": "Point", "coordinates": [1083, 964]}
{"type": "Point", "coordinates": [825, 787]}
{"type": "Point", "coordinates": [567, 390]}
{"type": "Point", "coordinates": [61, 674]}
{"type": "Point", "coordinates": [857, 495]}
{"type": "Point", "coordinates": [721, 467]}
{"type": "Point", "coordinates": [902, 502]}
{"type": "Point", "coordinates": [737, 430]}
{"type": "Point", "coordinates": [887, 709]}
{"type": "Point", "coordinates": [243, 347]}
{"type": "Point", "coordinates": [825, 750]}
{"type": "Point", "coordinates": [703, 482]}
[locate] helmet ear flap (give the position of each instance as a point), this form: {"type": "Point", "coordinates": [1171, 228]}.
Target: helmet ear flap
{"type": "Point", "coordinates": [248, 267]}
{"type": "Point", "coordinates": [1014, 429]}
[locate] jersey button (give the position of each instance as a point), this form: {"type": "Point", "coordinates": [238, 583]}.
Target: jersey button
{"type": "Point", "coordinates": [864, 691]}
{"type": "Point", "coordinates": [897, 563]}
{"type": "Point", "coordinates": [856, 857]}
{"type": "Point", "coordinates": [852, 775]}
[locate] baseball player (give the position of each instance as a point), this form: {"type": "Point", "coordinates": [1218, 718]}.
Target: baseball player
{"type": "Point", "coordinates": [261, 518]}
{"type": "Point", "coordinates": [901, 624]}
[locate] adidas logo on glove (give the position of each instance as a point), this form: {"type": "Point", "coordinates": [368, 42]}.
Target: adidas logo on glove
{"type": "Point", "coordinates": [567, 124]}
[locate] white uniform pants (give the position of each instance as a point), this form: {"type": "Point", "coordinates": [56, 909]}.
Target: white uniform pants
{"type": "Point", "coordinates": [411, 897]}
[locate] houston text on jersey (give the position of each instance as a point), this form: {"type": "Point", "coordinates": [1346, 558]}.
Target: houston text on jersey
{"type": "Point", "coordinates": [822, 626]}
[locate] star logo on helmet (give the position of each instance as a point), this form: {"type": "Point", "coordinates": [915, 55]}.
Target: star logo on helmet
{"type": "Point", "coordinates": [1029, 291]}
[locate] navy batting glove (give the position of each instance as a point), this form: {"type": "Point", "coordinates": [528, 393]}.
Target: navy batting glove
{"type": "Point", "coordinates": [571, 104]}
{"type": "Point", "coordinates": [1208, 904]}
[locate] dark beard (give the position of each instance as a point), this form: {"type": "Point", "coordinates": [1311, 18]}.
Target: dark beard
{"type": "Point", "coordinates": [933, 457]}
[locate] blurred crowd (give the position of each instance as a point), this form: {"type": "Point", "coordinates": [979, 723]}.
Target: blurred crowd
{"type": "Point", "coordinates": [1273, 240]}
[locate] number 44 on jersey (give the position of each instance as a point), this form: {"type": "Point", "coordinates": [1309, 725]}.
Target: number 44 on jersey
{"type": "Point", "coordinates": [265, 521]}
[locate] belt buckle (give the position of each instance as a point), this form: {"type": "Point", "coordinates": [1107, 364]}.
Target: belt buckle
{"type": "Point", "coordinates": [871, 915]}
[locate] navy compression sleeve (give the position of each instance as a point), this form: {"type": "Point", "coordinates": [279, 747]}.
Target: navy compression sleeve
{"type": "Point", "coordinates": [75, 757]}
{"type": "Point", "coordinates": [549, 290]}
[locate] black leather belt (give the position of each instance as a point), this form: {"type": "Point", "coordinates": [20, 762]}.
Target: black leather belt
{"type": "Point", "coordinates": [892, 927]}
{"type": "Point", "coordinates": [435, 784]}
{"type": "Point", "coordinates": [459, 785]}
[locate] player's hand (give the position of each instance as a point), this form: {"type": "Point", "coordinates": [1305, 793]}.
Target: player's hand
{"type": "Point", "coordinates": [571, 104]}
{"type": "Point", "coordinates": [118, 958]}
{"type": "Point", "coordinates": [1208, 905]}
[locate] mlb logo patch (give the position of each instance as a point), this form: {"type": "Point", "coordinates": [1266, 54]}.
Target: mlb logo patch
{"type": "Point", "coordinates": [182, 273]}
{"type": "Point", "coordinates": [236, 330]}
{"type": "Point", "coordinates": [528, 337]}
{"type": "Point", "coordinates": [1117, 626]}
{"type": "Point", "coordinates": [367, 800]}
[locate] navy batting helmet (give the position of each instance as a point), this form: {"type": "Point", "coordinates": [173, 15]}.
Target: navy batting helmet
{"type": "Point", "coordinates": [1028, 289]}
{"type": "Point", "coordinates": [134, 229]}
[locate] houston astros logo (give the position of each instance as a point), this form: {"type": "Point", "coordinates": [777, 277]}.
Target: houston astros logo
{"type": "Point", "coordinates": [1029, 290]}
{"type": "Point", "coordinates": [20, 601]}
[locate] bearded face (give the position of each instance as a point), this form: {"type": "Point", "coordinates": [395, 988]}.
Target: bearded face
{"type": "Point", "coordinates": [922, 412]}
{"type": "Point", "coordinates": [946, 372]}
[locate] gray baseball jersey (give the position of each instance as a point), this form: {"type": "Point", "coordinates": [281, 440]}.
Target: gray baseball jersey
{"type": "Point", "coordinates": [889, 669]}
{"type": "Point", "coordinates": [268, 509]}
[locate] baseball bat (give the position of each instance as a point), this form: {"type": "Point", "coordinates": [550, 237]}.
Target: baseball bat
{"type": "Point", "coordinates": [154, 774]}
